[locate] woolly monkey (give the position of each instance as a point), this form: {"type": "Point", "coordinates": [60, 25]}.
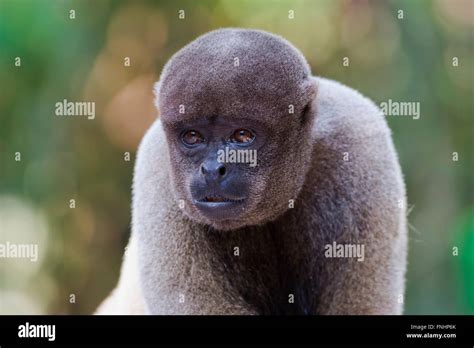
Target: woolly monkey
{"type": "Point", "coordinates": [214, 236]}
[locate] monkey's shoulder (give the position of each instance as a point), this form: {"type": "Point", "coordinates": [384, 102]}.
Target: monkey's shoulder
{"type": "Point", "coordinates": [343, 111]}
{"type": "Point", "coordinates": [355, 175]}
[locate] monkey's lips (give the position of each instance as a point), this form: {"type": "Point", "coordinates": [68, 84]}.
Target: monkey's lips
{"type": "Point", "coordinates": [219, 207]}
{"type": "Point", "coordinates": [218, 199]}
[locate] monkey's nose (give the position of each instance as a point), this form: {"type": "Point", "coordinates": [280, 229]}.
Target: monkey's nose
{"type": "Point", "coordinates": [214, 170]}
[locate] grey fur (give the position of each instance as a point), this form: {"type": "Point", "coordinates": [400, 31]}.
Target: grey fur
{"type": "Point", "coordinates": [183, 256]}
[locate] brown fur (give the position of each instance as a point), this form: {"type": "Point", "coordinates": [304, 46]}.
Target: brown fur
{"type": "Point", "coordinates": [179, 252]}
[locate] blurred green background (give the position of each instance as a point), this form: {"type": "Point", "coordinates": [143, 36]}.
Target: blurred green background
{"type": "Point", "coordinates": [82, 59]}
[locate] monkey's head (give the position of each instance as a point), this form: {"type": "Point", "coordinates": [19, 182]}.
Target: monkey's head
{"type": "Point", "coordinates": [237, 109]}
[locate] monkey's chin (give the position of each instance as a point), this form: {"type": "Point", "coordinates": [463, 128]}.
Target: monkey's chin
{"type": "Point", "coordinates": [219, 211]}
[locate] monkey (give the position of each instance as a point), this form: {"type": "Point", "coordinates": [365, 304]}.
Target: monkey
{"type": "Point", "coordinates": [214, 237]}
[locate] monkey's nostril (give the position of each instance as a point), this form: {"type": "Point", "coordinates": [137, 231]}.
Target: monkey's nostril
{"type": "Point", "coordinates": [222, 170]}
{"type": "Point", "coordinates": [213, 171]}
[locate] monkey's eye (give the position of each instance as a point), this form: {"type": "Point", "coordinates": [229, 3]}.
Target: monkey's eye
{"type": "Point", "coordinates": [242, 136]}
{"type": "Point", "coordinates": [192, 137]}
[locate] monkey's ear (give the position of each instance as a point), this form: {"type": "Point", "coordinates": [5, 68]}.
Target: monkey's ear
{"type": "Point", "coordinates": [310, 88]}
{"type": "Point", "coordinates": [310, 91]}
{"type": "Point", "coordinates": [156, 91]}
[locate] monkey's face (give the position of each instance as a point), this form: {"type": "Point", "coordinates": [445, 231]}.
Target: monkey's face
{"type": "Point", "coordinates": [229, 173]}
{"type": "Point", "coordinates": [236, 109]}
{"type": "Point", "coordinates": [215, 163]}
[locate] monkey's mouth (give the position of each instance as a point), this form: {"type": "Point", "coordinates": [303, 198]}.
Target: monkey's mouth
{"type": "Point", "coordinates": [217, 207]}
{"type": "Point", "coordinates": [218, 199]}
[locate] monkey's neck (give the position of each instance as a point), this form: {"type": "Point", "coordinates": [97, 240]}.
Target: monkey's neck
{"type": "Point", "coordinates": [266, 265]}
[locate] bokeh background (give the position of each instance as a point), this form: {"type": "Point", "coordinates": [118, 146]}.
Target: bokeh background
{"type": "Point", "coordinates": [82, 59]}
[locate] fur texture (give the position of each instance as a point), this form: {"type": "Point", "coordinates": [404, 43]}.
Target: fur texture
{"type": "Point", "coordinates": [270, 76]}
{"type": "Point", "coordinates": [338, 164]}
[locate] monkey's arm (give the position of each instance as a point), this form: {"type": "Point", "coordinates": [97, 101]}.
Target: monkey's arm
{"type": "Point", "coordinates": [166, 269]}
{"type": "Point", "coordinates": [362, 202]}
{"type": "Point", "coordinates": [372, 286]}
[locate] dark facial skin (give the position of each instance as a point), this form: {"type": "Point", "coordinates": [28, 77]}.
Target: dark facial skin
{"type": "Point", "coordinates": [218, 189]}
